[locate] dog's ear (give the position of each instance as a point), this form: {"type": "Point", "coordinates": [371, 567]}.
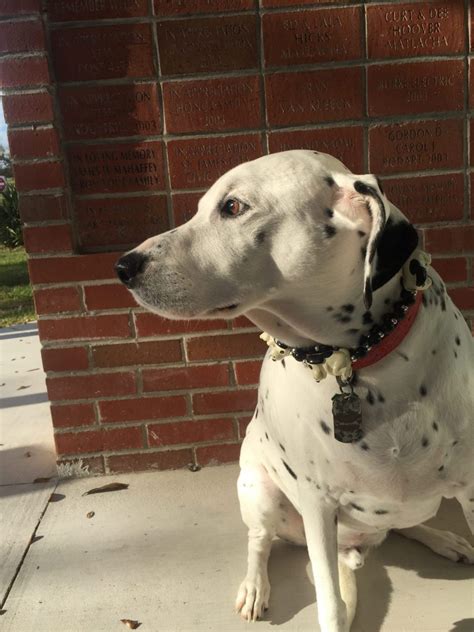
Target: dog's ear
{"type": "Point", "coordinates": [392, 238]}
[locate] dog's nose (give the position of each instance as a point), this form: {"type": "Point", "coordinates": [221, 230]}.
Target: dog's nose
{"type": "Point", "coordinates": [128, 266]}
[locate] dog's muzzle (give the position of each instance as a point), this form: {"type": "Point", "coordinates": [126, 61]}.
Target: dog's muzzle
{"type": "Point", "coordinates": [129, 266]}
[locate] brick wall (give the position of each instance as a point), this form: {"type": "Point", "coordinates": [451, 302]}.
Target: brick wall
{"type": "Point", "coordinates": [122, 112]}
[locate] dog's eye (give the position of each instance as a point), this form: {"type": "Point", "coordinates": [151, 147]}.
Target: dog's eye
{"type": "Point", "coordinates": [231, 208]}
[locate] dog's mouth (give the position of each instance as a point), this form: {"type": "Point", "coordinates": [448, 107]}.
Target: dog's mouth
{"type": "Point", "coordinates": [225, 308]}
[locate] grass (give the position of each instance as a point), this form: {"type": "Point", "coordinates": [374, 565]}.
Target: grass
{"type": "Point", "coordinates": [16, 298]}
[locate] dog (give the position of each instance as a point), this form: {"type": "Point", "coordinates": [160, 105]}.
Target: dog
{"type": "Point", "coordinates": [319, 259]}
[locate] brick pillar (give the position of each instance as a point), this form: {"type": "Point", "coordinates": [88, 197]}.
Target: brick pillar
{"type": "Point", "coordinates": [122, 113]}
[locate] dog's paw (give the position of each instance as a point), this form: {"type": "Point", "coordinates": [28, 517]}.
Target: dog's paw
{"type": "Point", "coordinates": [252, 598]}
{"type": "Point", "coordinates": [452, 546]}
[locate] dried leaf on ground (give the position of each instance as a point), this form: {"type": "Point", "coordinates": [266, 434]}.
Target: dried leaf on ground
{"type": "Point", "coordinates": [2, 612]}
{"type": "Point", "coordinates": [55, 497]}
{"type": "Point", "coordinates": [133, 625]}
{"type": "Point", "coordinates": [28, 454]}
{"type": "Point", "coordinates": [111, 487]}
{"type": "Point", "coordinates": [35, 538]}
{"type": "Point", "coordinates": [91, 514]}
{"type": "Point", "coordinates": [20, 388]}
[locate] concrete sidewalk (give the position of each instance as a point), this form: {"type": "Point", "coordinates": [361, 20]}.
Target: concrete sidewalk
{"type": "Point", "coordinates": [170, 551]}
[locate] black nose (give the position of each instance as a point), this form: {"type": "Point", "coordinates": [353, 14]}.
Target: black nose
{"type": "Point", "coordinates": [128, 266]}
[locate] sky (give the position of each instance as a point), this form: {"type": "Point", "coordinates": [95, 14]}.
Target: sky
{"type": "Point", "coordinates": [3, 128]}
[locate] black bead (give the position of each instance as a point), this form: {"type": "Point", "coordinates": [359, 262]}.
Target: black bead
{"type": "Point", "coordinates": [358, 353]}
{"type": "Point", "coordinates": [315, 358]}
{"type": "Point", "coordinates": [281, 344]}
{"type": "Point", "coordinates": [298, 354]}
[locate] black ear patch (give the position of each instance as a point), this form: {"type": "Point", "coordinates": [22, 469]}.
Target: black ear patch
{"type": "Point", "coordinates": [395, 244]}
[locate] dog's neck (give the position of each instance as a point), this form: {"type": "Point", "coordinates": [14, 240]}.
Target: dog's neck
{"type": "Point", "coordinates": [303, 318]}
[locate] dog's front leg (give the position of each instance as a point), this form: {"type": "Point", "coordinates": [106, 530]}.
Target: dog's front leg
{"type": "Point", "coordinates": [320, 525]}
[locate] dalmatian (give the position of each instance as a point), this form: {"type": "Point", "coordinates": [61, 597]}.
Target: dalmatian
{"type": "Point", "coordinates": [316, 256]}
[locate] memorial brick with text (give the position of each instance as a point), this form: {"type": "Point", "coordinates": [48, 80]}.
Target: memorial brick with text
{"type": "Point", "coordinates": [122, 114]}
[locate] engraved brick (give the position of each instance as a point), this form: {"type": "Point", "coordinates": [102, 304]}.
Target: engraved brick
{"type": "Point", "coordinates": [119, 222]}
{"type": "Point", "coordinates": [314, 96]}
{"type": "Point", "coordinates": [345, 143]}
{"type": "Point", "coordinates": [185, 206]}
{"type": "Point", "coordinates": [16, 72]}
{"type": "Point", "coordinates": [199, 162]}
{"type": "Point", "coordinates": [406, 30]}
{"type": "Point", "coordinates": [208, 44]}
{"type": "Point", "coordinates": [64, 10]}
{"type": "Point", "coordinates": [19, 37]}
{"type": "Point", "coordinates": [105, 52]}
{"type": "Point", "coordinates": [186, 7]}
{"type": "Point", "coordinates": [19, 7]}
{"type": "Point", "coordinates": [454, 239]}
{"type": "Point", "coordinates": [308, 37]}
{"type": "Point", "coordinates": [116, 168]}
{"type": "Point", "coordinates": [110, 111]}
{"type": "Point", "coordinates": [428, 198]}
{"type": "Point", "coordinates": [411, 88]}
{"type": "Point", "coordinates": [416, 146]}
{"type": "Point", "coordinates": [212, 105]}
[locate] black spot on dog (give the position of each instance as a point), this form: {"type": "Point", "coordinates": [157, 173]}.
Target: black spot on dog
{"type": "Point", "coordinates": [329, 212]}
{"type": "Point", "coordinates": [260, 238]}
{"type": "Point", "coordinates": [367, 318]}
{"type": "Point", "coordinates": [370, 398]}
{"type": "Point", "coordinates": [325, 427]}
{"type": "Point", "coordinates": [353, 330]}
{"type": "Point", "coordinates": [256, 412]}
{"type": "Point", "coordinates": [282, 447]}
{"type": "Point", "coordinates": [457, 340]}
{"type": "Point", "coordinates": [363, 252]}
{"type": "Point", "coordinates": [440, 468]}
{"type": "Point", "coordinates": [454, 443]}
{"type": "Point", "coordinates": [308, 479]}
{"type": "Point", "coordinates": [435, 426]}
{"type": "Point", "coordinates": [283, 363]}
{"type": "Point", "coordinates": [357, 507]}
{"type": "Point", "coordinates": [455, 316]}
{"type": "Point", "coordinates": [289, 470]}
{"type": "Point", "coordinates": [433, 351]}
{"type": "Point", "coordinates": [387, 301]}
{"type": "Point", "coordinates": [330, 181]}
{"type": "Point", "coordinates": [364, 446]}
{"type": "Point", "coordinates": [342, 318]}
{"type": "Point", "coordinates": [318, 486]}
{"type": "Point", "coordinates": [455, 353]}
{"type": "Point", "coordinates": [329, 230]}
{"type": "Point", "coordinates": [381, 512]}
{"type": "Point", "coordinates": [423, 390]}
{"type": "Point", "coordinates": [424, 442]}
{"type": "Point", "coordinates": [361, 233]}
{"type": "Point", "coordinates": [381, 398]}
{"type": "Point", "coordinates": [266, 435]}
{"type": "Point", "coordinates": [335, 520]}
{"type": "Point", "coordinates": [424, 301]}
{"type": "Point", "coordinates": [329, 308]}
{"type": "Point", "coordinates": [404, 356]}
{"type": "Point", "coordinates": [348, 307]}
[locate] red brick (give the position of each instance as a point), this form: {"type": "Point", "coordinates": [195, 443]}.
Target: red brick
{"type": "Point", "coordinates": [428, 198]}
{"type": "Point", "coordinates": [68, 359]}
{"type": "Point", "coordinates": [99, 440]}
{"type": "Point", "coordinates": [225, 346]}
{"type": "Point", "coordinates": [471, 178]}
{"type": "Point", "coordinates": [451, 270]}
{"type": "Point", "coordinates": [117, 168]}
{"type": "Point", "coordinates": [185, 377]}
{"type": "Point", "coordinates": [154, 352]}
{"type": "Point", "coordinates": [416, 146]}
{"type": "Point", "coordinates": [94, 464]}
{"type": "Point", "coordinates": [60, 11]}
{"type": "Point", "coordinates": [110, 111]}
{"type": "Point", "coordinates": [409, 29]}
{"type": "Point", "coordinates": [28, 107]}
{"type": "Point", "coordinates": [54, 300]}
{"type": "Point", "coordinates": [23, 71]}
{"type": "Point", "coordinates": [290, 3]}
{"type": "Point", "coordinates": [69, 415]}
{"type": "Point", "coordinates": [212, 104]}
{"type": "Point", "coordinates": [178, 7]}
{"type": "Point", "coordinates": [463, 297]}
{"type": "Point", "coordinates": [119, 223]}
{"type": "Point", "coordinates": [53, 238]}
{"type": "Point", "coordinates": [345, 143]}
{"type": "Point", "coordinates": [190, 432]}
{"type": "Point", "coordinates": [248, 372]}
{"type": "Point", "coordinates": [42, 175]}
{"type": "Point", "coordinates": [185, 206]}
{"type": "Point", "coordinates": [198, 162]}
{"type": "Point", "coordinates": [309, 37]}
{"type": "Point", "coordinates": [33, 142]}
{"type": "Point", "coordinates": [79, 268]}
{"type": "Point", "coordinates": [91, 386]}
{"type": "Point", "coordinates": [102, 52]}
{"type": "Point", "coordinates": [142, 408]}
{"type": "Point", "coordinates": [19, 37]}
{"type": "Point", "coordinates": [471, 83]}
{"type": "Point", "coordinates": [243, 422]}
{"type": "Point", "coordinates": [242, 321]}
{"type": "Point", "coordinates": [208, 44]}
{"type": "Point", "coordinates": [471, 142]}
{"type": "Point", "coordinates": [85, 327]}
{"type": "Point", "coordinates": [216, 454]}
{"type": "Point", "coordinates": [224, 401]}
{"type": "Point", "coordinates": [41, 208]}
{"type": "Point", "coordinates": [169, 460]}
{"type": "Point", "coordinates": [455, 239]}
{"type": "Point", "coordinates": [153, 325]}
{"type": "Point", "coordinates": [110, 296]}
{"type": "Point", "coordinates": [316, 95]}
{"type": "Point", "coordinates": [415, 88]}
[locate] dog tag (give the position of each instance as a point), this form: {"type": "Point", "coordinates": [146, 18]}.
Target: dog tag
{"type": "Point", "coordinates": [347, 415]}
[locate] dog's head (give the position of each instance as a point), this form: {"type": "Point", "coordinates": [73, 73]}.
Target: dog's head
{"type": "Point", "coordinates": [287, 223]}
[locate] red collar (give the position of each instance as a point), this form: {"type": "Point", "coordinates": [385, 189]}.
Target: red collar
{"type": "Point", "coordinates": [391, 340]}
